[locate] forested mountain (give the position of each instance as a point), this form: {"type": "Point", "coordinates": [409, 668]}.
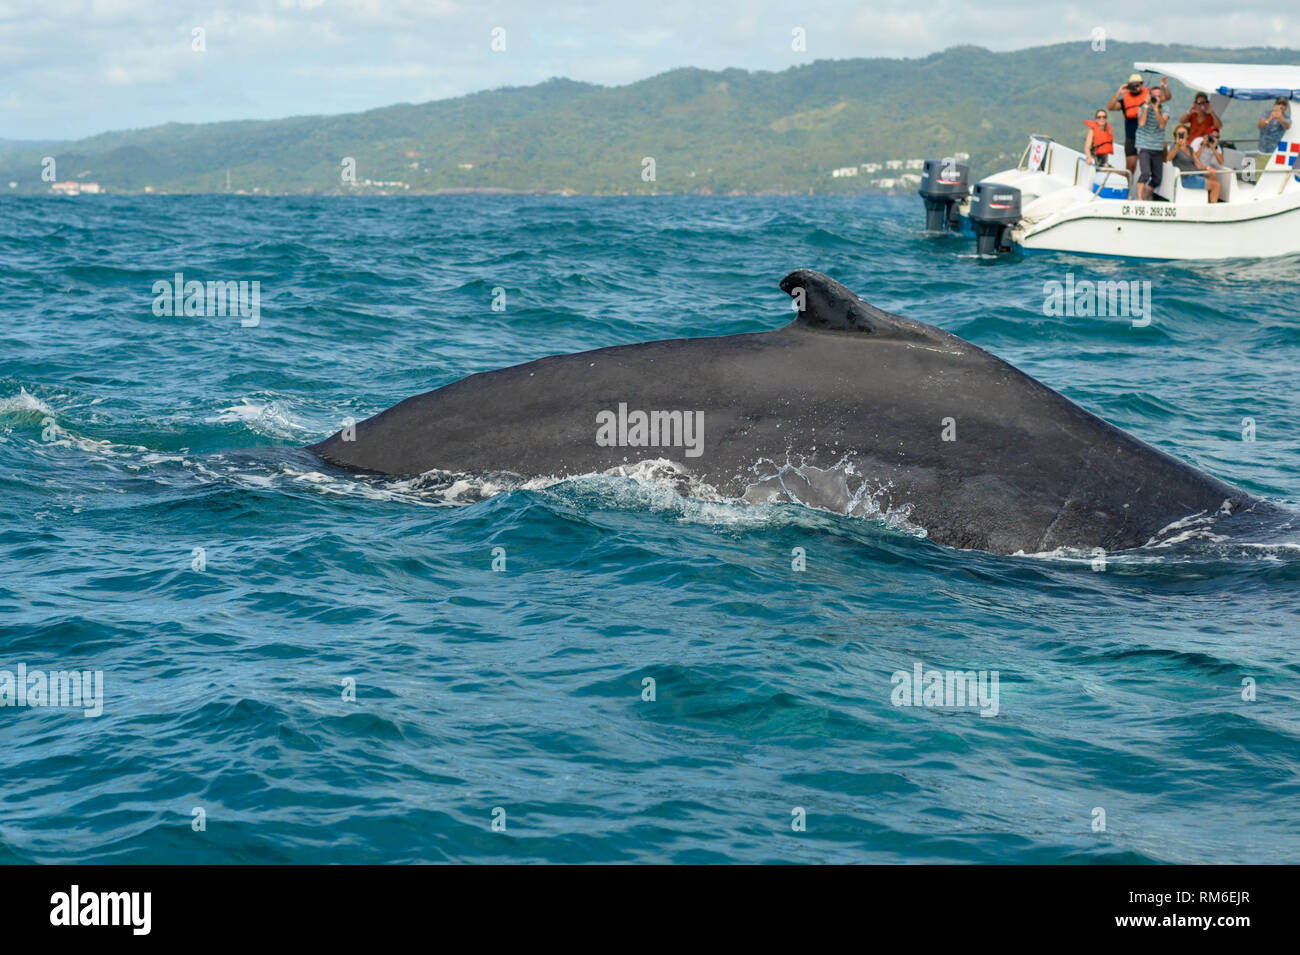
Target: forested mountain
{"type": "Point", "coordinates": [708, 132]}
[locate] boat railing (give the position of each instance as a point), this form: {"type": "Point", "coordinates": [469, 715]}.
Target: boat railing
{"type": "Point", "coordinates": [1248, 174]}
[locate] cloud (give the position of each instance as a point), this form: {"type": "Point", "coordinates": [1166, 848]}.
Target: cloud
{"type": "Point", "coordinates": [75, 67]}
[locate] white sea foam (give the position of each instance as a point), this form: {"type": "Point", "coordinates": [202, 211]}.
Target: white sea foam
{"type": "Point", "coordinates": [655, 485]}
{"type": "Point", "coordinates": [24, 405]}
{"type": "Point", "coordinates": [25, 408]}
{"type": "Point", "coordinates": [272, 418]}
{"type": "Point", "coordinates": [661, 486]}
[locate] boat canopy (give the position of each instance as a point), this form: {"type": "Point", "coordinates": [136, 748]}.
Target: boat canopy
{"type": "Point", "coordinates": [1233, 80]}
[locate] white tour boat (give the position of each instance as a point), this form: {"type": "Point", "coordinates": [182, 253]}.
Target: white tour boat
{"type": "Point", "coordinates": [1057, 200]}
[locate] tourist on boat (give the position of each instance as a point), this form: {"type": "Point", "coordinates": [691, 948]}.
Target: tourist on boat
{"type": "Point", "coordinates": [1100, 141]}
{"type": "Point", "coordinates": [1200, 119]}
{"type": "Point", "coordinates": [1211, 157]}
{"type": "Point", "coordinates": [1150, 142]}
{"type": "Point", "coordinates": [1272, 127]}
{"type": "Point", "coordinates": [1130, 98]}
{"type": "Point", "coordinates": [1190, 168]}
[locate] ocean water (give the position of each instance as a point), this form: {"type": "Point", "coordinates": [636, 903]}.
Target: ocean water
{"type": "Point", "coordinates": [130, 441]}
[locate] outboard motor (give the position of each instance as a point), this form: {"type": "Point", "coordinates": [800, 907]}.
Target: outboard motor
{"type": "Point", "coordinates": [944, 184]}
{"type": "Point", "coordinates": [994, 209]}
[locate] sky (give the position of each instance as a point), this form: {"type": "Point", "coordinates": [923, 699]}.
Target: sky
{"type": "Point", "coordinates": [72, 68]}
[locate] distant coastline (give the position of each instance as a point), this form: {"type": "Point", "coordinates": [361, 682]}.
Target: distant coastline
{"type": "Point", "coordinates": [832, 127]}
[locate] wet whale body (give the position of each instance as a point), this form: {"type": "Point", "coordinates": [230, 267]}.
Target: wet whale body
{"type": "Point", "coordinates": [848, 407]}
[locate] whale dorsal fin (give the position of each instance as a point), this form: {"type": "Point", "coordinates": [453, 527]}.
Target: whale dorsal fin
{"type": "Point", "coordinates": [829, 305]}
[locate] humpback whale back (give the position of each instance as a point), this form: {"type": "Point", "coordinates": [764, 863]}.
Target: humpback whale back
{"type": "Point", "coordinates": [847, 407]}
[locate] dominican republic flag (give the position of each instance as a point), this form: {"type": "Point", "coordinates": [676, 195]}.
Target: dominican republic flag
{"type": "Point", "coordinates": [1286, 154]}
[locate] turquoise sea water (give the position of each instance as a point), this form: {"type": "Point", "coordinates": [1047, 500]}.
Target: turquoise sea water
{"type": "Point", "coordinates": [129, 440]}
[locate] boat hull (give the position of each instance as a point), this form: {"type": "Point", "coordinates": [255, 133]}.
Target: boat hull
{"type": "Point", "coordinates": [1164, 230]}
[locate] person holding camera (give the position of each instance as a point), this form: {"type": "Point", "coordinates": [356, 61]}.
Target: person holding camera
{"type": "Point", "coordinates": [1272, 127]}
{"type": "Point", "coordinates": [1130, 98]}
{"type": "Point", "coordinates": [1200, 119]}
{"type": "Point", "coordinates": [1210, 155]}
{"type": "Point", "coordinates": [1191, 169]}
{"type": "Point", "coordinates": [1150, 142]}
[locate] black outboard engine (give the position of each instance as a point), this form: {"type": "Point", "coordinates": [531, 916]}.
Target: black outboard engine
{"type": "Point", "coordinates": [944, 184]}
{"type": "Point", "coordinates": [994, 210]}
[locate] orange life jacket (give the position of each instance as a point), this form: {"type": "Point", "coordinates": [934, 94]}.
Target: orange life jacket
{"type": "Point", "coordinates": [1133, 102]}
{"type": "Point", "coordinates": [1103, 140]}
{"type": "Point", "coordinates": [1199, 125]}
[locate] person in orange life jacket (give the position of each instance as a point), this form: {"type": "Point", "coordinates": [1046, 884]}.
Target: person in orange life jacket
{"type": "Point", "coordinates": [1130, 98]}
{"type": "Point", "coordinates": [1100, 141]}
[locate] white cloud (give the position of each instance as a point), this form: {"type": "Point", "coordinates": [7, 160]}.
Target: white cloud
{"type": "Point", "coordinates": [75, 67]}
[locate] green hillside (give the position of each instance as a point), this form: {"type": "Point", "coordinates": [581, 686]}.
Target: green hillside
{"type": "Point", "coordinates": [709, 132]}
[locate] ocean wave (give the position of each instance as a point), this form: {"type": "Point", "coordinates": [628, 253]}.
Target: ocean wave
{"type": "Point", "coordinates": [269, 417]}
{"type": "Point", "coordinates": [498, 633]}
